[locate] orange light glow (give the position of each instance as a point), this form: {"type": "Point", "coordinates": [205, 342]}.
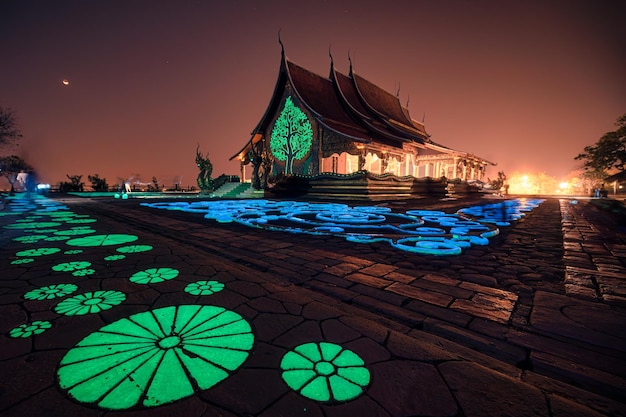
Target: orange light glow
{"type": "Point", "coordinates": [534, 184]}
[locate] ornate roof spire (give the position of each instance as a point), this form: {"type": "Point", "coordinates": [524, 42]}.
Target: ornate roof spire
{"type": "Point", "coordinates": [282, 47]}
{"type": "Point", "coordinates": [350, 60]}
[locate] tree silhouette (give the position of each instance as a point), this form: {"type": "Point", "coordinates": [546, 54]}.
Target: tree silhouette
{"type": "Point", "coordinates": [97, 183]}
{"type": "Point", "coordinates": [11, 166]}
{"type": "Point", "coordinates": [9, 131]}
{"type": "Point", "coordinates": [292, 135]}
{"type": "Point", "coordinates": [608, 153]}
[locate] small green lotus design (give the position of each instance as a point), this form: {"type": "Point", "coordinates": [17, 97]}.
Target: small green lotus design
{"type": "Point", "coordinates": [71, 266]}
{"type": "Point", "coordinates": [30, 329]}
{"type": "Point", "coordinates": [30, 238]}
{"type": "Point", "coordinates": [134, 248]}
{"type": "Point", "coordinates": [89, 303]}
{"type": "Point", "coordinates": [204, 287]}
{"type": "Point", "coordinates": [56, 238]}
{"type": "Point", "coordinates": [51, 291]}
{"type": "Point", "coordinates": [156, 357]}
{"type": "Point", "coordinates": [78, 221]}
{"type": "Point", "coordinates": [114, 257]}
{"type": "Point", "coordinates": [22, 261]}
{"type": "Point", "coordinates": [38, 252]}
{"type": "Point", "coordinates": [32, 225]}
{"type": "Point", "coordinates": [73, 251]}
{"type": "Point", "coordinates": [154, 275]}
{"type": "Point", "coordinates": [75, 231]}
{"type": "Point", "coordinates": [325, 372]}
{"type": "Point", "coordinates": [84, 272]}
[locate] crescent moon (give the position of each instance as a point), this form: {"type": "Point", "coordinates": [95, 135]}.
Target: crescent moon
{"type": "Point", "coordinates": [66, 82]}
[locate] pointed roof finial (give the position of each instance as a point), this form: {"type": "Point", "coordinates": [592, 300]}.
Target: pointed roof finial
{"type": "Point", "coordinates": [398, 92]}
{"type": "Point", "coordinates": [407, 101]}
{"type": "Point", "coordinates": [349, 59]}
{"type": "Point", "coordinates": [282, 47]}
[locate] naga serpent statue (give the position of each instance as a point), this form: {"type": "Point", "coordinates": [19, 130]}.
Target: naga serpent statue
{"type": "Point", "coordinates": [205, 182]}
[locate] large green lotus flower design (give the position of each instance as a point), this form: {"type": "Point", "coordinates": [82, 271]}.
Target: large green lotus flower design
{"type": "Point", "coordinates": [325, 372]}
{"type": "Point", "coordinates": [90, 302]}
{"type": "Point", "coordinates": [30, 329]}
{"type": "Point", "coordinates": [156, 357]}
{"type": "Point", "coordinates": [102, 240]}
{"type": "Point", "coordinates": [50, 292]}
{"type": "Point", "coordinates": [154, 275]}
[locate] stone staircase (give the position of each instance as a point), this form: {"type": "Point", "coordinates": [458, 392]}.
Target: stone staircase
{"type": "Point", "coordinates": [237, 190]}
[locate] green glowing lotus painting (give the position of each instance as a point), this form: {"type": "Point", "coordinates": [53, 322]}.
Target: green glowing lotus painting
{"type": "Point", "coordinates": [102, 240]}
{"type": "Point", "coordinates": [134, 248]}
{"type": "Point", "coordinates": [71, 266]}
{"type": "Point", "coordinates": [204, 287]}
{"type": "Point", "coordinates": [90, 303]}
{"type": "Point", "coordinates": [38, 252]}
{"type": "Point", "coordinates": [154, 275]}
{"type": "Point", "coordinates": [30, 329]}
{"type": "Point", "coordinates": [51, 291]}
{"type": "Point", "coordinates": [156, 357]}
{"type": "Point", "coordinates": [325, 372]}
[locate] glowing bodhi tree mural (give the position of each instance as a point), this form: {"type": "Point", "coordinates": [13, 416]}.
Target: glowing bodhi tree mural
{"type": "Point", "coordinates": [291, 136]}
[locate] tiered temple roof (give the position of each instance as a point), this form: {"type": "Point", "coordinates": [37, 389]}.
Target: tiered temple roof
{"type": "Point", "coordinates": [350, 106]}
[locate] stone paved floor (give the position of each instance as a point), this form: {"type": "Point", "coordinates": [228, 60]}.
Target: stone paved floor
{"type": "Point", "coordinates": [531, 324]}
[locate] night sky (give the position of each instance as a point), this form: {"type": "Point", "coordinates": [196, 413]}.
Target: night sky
{"type": "Point", "coordinates": [526, 84]}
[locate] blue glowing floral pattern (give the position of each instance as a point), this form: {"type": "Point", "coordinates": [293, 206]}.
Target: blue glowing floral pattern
{"type": "Point", "coordinates": [419, 231]}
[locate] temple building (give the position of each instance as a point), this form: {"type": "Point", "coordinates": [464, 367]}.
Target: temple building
{"type": "Point", "coordinates": [342, 126]}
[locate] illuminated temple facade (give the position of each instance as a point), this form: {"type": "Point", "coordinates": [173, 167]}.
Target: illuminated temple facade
{"type": "Point", "coordinates": [340, 125]}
